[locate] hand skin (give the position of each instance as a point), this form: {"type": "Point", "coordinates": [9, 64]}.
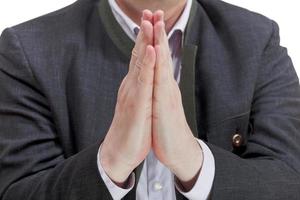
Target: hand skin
{"type": "Point", "coordinates": [128, 140]}
{"type": "Point", "coordinates": [172, 140]}
{"type": "Point", "coordinates": [149, 113]}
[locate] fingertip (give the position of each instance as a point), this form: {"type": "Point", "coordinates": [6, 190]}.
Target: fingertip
{"type": "Point", "coordinates": [160, 13]}
{"type": "Point", "coordinates": [158, 16]}
{"type": "Point", "coordinates": [150, 52]}
{"type": "Point", "coordinates": [147, 30]}
{"type": "Point", "coordinates": [147, 15]}
{"type": "Point", "coordinates": [149, 48]}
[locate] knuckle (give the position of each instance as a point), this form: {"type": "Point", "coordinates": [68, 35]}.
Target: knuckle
{"type": "Point", "coordinates": [139, 65]}
{"type": "Point", "coordinates": [134, 52]}
{"type": "Point", "coordinates": [145, 80]}
{"type": "Point", "coordinates": [141, 80]}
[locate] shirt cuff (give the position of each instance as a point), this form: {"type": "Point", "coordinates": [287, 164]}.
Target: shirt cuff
{"type": "Point", "coordinates": [203, 185]}
{"type": "Point", "coordinates": [116, 192]}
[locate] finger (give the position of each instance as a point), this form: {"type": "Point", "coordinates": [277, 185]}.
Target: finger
{"type": "Point", "coordinates": [146, 74]}
{"type": "Point", "coordinates": [164, 65]}
{"type": "Point", "coordinates": [147, 15]}
{"type": "Point", "coordinates": [144, 38]}
{"type": "Point", "coordinates": [162, 74]}
{"type": "Point", "coordinates": [160, 35]}
{"type": "Point", "coordinates": [158, 16]}
{"type": "Point", "coordinates": [144, 83]}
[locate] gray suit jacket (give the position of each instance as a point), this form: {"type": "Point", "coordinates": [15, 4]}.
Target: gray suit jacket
{"type": "Point", "coordinates": [59, 77]}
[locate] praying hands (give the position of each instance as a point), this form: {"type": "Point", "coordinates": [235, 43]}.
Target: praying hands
{"type": "Point", "coordinates": [149, 113]}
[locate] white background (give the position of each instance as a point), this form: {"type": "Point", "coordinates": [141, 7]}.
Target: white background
{"type": "Point", "coordinates": [284, 12]}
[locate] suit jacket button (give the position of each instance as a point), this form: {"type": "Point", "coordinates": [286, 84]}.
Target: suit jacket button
{"type": "Point", "coordinates": [237, 140]}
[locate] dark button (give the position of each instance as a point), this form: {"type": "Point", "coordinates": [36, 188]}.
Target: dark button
{"type": "Point", "coordinates": [237, 140]}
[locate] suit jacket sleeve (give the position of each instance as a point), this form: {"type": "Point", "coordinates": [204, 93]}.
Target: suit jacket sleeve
{"type": "Point", "coordinates": [269, 168]}
{"type": "Point", "coordinates": [32, 162]}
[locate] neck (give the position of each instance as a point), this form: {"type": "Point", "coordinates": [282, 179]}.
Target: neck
{"type": "Point", "coordinates": [172, 9]}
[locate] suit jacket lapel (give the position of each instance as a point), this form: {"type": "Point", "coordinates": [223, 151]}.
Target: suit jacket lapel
{"type": "Point", "coordinates": [187, 85]}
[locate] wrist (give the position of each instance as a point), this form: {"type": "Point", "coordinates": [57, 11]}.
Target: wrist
{"type": "Point", "coordinates": [187, 171]}
{"type": "Point", "coordinates": [186, 186]}
{"type": "Point", "coordinates": [117, 171]}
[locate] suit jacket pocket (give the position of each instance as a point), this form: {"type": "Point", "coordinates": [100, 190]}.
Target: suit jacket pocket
{"type": "Point", "coordinates": [231, 133]}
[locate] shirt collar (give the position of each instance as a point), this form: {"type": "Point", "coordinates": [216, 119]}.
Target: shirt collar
{"type": "Point", "coordinates": [183, 19]}
{"type": "Point", "coordinates": [131, 28]}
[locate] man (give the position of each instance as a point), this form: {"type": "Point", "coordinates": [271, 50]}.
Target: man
{"type": "Point", "coordinates": [187, 100]}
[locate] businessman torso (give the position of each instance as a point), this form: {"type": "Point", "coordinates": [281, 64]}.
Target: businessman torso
{"type": "Point", "coordinates": [77, 62]}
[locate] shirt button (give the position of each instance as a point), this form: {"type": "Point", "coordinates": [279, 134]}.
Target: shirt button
{"type": "Point", "coordinates": [157, 186]}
